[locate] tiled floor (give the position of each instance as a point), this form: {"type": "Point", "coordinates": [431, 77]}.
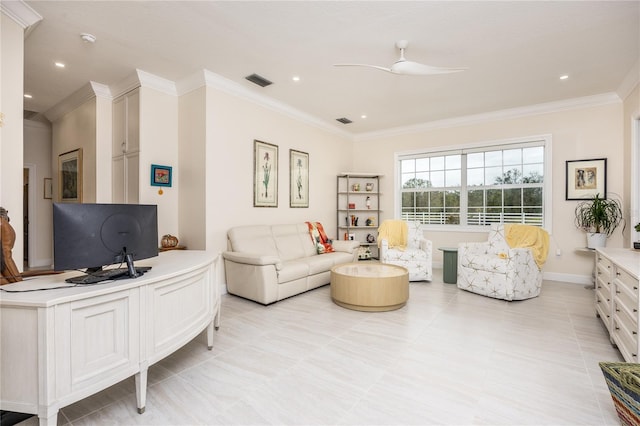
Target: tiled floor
{"type": "Point", "coordinates": [448, 357]}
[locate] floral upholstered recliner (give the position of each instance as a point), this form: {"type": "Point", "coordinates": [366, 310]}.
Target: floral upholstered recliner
{"type": "Point", "coordinates": [416, 255]}
{"type": "Point", "coordinates": [496, 269]}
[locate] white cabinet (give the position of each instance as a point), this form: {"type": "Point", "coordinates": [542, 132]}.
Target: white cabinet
{"type": "Point", "coordinates": [61, 345]}
{"type": "Point", "coordinates": [126, 148]}
{"type": "Point", "coordinates": [358, 211]}
{"type": "Point", "coordinates": [617, 301]}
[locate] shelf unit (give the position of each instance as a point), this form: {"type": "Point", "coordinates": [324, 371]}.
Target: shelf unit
{"type": "Point", "coordinates": [358, 210]}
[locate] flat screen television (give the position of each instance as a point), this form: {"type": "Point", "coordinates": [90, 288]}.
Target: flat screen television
{"type": "Point", "coordinates": [93, 236]}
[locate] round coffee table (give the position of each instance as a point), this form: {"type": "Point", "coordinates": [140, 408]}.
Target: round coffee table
{"type": "Point", "coordinates": [369, 286]}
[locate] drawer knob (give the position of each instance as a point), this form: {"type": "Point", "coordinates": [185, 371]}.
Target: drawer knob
{"type": "Point", "coordinates": [618, 273]}
{"type": "Point", "coordinates": [634, 332]}
{"type": "Point", "coordinates": [617, 310]}
{"type": "Point", "coordinates": [617, 291]}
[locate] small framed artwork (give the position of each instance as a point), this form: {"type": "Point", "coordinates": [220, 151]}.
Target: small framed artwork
{"type": "Point", "coordinates": [586, 178]}
{"type": "Point", "coordinates": [352, 237]}
{"type": "Point", "coordinates": [48, 189]}
{"type": "Point", "coordinates": [161, 175]}
{"type": "Point", "coordinates": [265, 174]}
{"type": "Point", "coordinates": [70, 176]}
{"type": "Point", "coordinates": [298, 178]}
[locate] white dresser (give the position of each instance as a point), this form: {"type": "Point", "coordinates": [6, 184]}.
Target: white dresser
{"type": "Point", "coordinates": [63, 345]}
{"type": "Point", "coordinates": [617, 301]}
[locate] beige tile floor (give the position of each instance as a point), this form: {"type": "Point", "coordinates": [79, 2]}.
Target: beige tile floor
{"type": "Point", "coordinates": [447, 358]}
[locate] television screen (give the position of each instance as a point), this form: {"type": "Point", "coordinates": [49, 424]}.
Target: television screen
{"type": "Point", "coordinates": [90, 236]}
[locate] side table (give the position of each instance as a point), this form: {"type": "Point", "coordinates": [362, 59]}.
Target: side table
{"type": "Point", "coordinates": [449, 264]}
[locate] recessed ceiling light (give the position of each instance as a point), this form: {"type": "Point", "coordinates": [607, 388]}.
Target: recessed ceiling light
{"type": "Point", "coordinates": [363, 116]}
{"type": "Point", "coordinates": [28, 96]}
{"type": "Point", "coordinates": [564, 77]}
{"type": "Point", "coordinates": [59, 65]}
{"type": "Point", "coordinates": [295, 78]}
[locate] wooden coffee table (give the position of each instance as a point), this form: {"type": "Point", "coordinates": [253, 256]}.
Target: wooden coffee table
{"type": "Point", "coordinates": [368, 286]}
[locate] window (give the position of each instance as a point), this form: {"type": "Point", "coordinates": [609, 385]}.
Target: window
{"type": "Point", "coordinates": [478, 185]}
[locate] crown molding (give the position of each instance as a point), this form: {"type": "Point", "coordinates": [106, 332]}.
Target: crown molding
{"type": "Point", "coordinates": [140, 78]}
{"type": "Point", "coordinates": [630, 81]}
{"type": "Point", "coordinates": [23, 14]}
{"type": "Point", "coordinates": [216, 81]}
{"type": "Point", "coordinates": [87, 92]}
{"type": "Point", "coordinates": [506, 114]}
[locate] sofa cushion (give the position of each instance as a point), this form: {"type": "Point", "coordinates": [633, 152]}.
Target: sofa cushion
{"type": "Point", "coordinates": [253, 239]}
{"type": "Point", "coordinates": [293, 241]}
{"type": "Point", "coordinates": [293, 270]}
{"type": "Point", "coordinates": [318, 264]}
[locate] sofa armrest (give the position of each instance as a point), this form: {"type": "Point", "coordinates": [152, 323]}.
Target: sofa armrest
{"type": "Point", "coordinates": [345, 245]}
{"type": "Point", "coordinates": [480, 248]}
{"type": "Point", "coordinates": [252, 259]}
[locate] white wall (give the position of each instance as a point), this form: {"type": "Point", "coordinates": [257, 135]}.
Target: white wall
{"type": "Point", "coordinates": [37, 151]}
{"type": "Point", "coordinates": [159, 145]}
{"type": "Point", "coordinates": [11, 132]}
{"type": "Point", "coordinates": [631, 127]}
{"type": "Point", "coordinates": [584, 133]}
{"type": "Point", "coordinates": [77, 129]}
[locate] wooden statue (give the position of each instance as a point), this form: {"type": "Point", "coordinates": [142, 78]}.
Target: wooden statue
{"type": "Point", "coordinates": [8, 268]}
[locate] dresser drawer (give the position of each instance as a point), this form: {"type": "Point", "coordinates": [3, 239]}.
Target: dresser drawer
{"type": "Point", "coordinates": [604, 286]}
{"type": "Point", "coordinates": [624, 279]}
{"type": "Point", "coordinates": [626, 299]}
{"type": "Point", "coordinates": [626, 340]}
{"type": "Point", "coordinates": [603, 262]}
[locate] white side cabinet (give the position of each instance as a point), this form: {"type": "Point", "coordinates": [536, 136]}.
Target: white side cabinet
{"type": "Point", "coordinates": [63, 345]}
{"type": "Point", "coordinates": [126, 148]}
{"type": "Point", "coordinates": [617, 302]}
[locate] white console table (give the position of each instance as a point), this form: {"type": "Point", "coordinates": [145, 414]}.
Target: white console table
{"type": "Point", "coordinates": [617, 300]}
{"type": "Point", "coordinates": [60, 346]}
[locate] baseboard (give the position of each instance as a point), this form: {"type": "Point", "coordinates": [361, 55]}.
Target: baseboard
{"type": "Point", "coordinates": [41, 263]}
{"type": "Point", "coordinates": [567, 278]}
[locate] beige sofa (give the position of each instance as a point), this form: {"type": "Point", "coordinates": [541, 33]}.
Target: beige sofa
{"type": "Point", "coordinates": [267, 263]}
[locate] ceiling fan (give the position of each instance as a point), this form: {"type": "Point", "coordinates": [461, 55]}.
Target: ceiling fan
{"type": "Point", "coordinates": [404, 67]}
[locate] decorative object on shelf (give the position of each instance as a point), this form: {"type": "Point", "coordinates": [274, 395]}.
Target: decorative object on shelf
{"type": "Point", "coordinates": [368, 202]}
{"type": "Point", "coordinates": [598, 217]}
{"type": "Point", "coordinates": [636, 244]}
{"type": "Point", "coordinates": [161, 175]}
{"type": "Point", "coordinates": [371, 238]}
{"type": "Point", "coordinates": [265, 174]}
{"type": "Point", "coordinates": [369, 187]}
{"type": "Point", "coordinates": [364, 253]}
{"type": "Point", "coordinates": [352, 206]}
{"type": "Point", "coordinates": [70, 176]}
{"type": "Point", "coordinates": [352, 237]}
{"type": "Point", "coordinates": [168, 240]}
{"type": "Point", "coordinates": [298, 179]}
{"type": "Point", "coordinates": [354, 220]}
{"type": "Point", "coordinates": [355, 187]}
{"type": "Point", "coordinates": [586, 178]}
{"type": "Point", "coordinates": [371, 221]}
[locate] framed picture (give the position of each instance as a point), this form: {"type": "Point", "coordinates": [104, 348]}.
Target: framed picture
{"type": "Point", "coordinates": [298, 178]}
{"type": "Point", "coordinates": [265, 174]}
{"type": "Point", "coordinates": [586, 178]}
{"type": "Point", "coordinates": [161, 175]}
{"type": "Point", "coordinates": [48, 189]}
{"type": "Point", "coordinates": [70, 176]}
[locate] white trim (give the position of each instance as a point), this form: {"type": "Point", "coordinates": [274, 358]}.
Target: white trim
{"type": "Point", "coordinates": [630, 81]}
{"type": "Point", "coordinates": [20, 12]}
{"type": "Point", "coordinates": [634, 213]}
{"type": "Point", "coordinates": [544, 108]}
{"type": "Point", "coordinates": [567, 278]}
{"type": "Point", "coordinates": [88, 91]}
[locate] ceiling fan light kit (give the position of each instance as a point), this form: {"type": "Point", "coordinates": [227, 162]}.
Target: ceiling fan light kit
{"type": "Point", "coordinates": [404, 67]}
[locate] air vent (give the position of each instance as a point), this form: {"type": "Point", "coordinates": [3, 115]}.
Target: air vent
{"type": "Point", "coordinates": [259, 80]}
{"type": "Point", "coordinates": [344, 120]}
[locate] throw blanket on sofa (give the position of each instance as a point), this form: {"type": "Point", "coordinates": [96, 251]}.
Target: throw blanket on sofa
{"type": "Point", "coordinates": [527, 236]}
{"type": "Point", "coordinates": [395, 232]}
{"type": "Point", "coordinates": [319, 238]}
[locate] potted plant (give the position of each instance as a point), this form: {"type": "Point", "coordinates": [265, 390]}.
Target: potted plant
{"type": "Point", "coordinates": [598, 217]}
{"type": "Point", "coordinates": [636, 244]}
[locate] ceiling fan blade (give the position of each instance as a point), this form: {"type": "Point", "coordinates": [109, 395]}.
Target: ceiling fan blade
{"type": "Point", "coordinates": [415, 68]}
{"type": "Point", "coordinates": [364, 65]}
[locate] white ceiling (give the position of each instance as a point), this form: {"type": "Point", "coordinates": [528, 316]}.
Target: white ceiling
{"type": "Point", "coordinates": [515, 52]}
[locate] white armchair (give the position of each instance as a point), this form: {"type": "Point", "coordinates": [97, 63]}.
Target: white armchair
{"type": "Point", "coordinates": [497, 270]}
{"type": "Point", "coordinates": [416, 256]}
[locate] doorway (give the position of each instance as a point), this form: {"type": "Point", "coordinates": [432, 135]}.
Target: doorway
{"type": "Point", "coordinates": [28, 205]}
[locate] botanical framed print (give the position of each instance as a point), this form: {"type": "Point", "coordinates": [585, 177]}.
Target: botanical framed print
{"type": "Point", "coordinates": [265, 174]}
{"type": "Point", "coordinates": [70, 176]}
{"type": "Point", "coordinates": [298, 178]}
{"type": "Point", "coordinates": [161, 175]}
{"type": "Point", "coordinates": [586, 178]}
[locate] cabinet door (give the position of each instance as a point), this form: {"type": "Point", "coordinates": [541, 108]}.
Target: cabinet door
{"type": "Point", "coordinates": [117, 180]}
{"type": "Point", "coordinates": [132, 177]}
{"type": "Point", "coordinates": [97, 341]}
{"type": "Point", "coordinates": [119, 142]}
{"type": "Point", "coordinates": [133, 121]}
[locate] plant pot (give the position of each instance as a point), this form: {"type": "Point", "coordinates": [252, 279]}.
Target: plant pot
{"type": "Point", "coordinates": [595, 240]}
{"type": "Point", "coordinates": [636, 245]}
